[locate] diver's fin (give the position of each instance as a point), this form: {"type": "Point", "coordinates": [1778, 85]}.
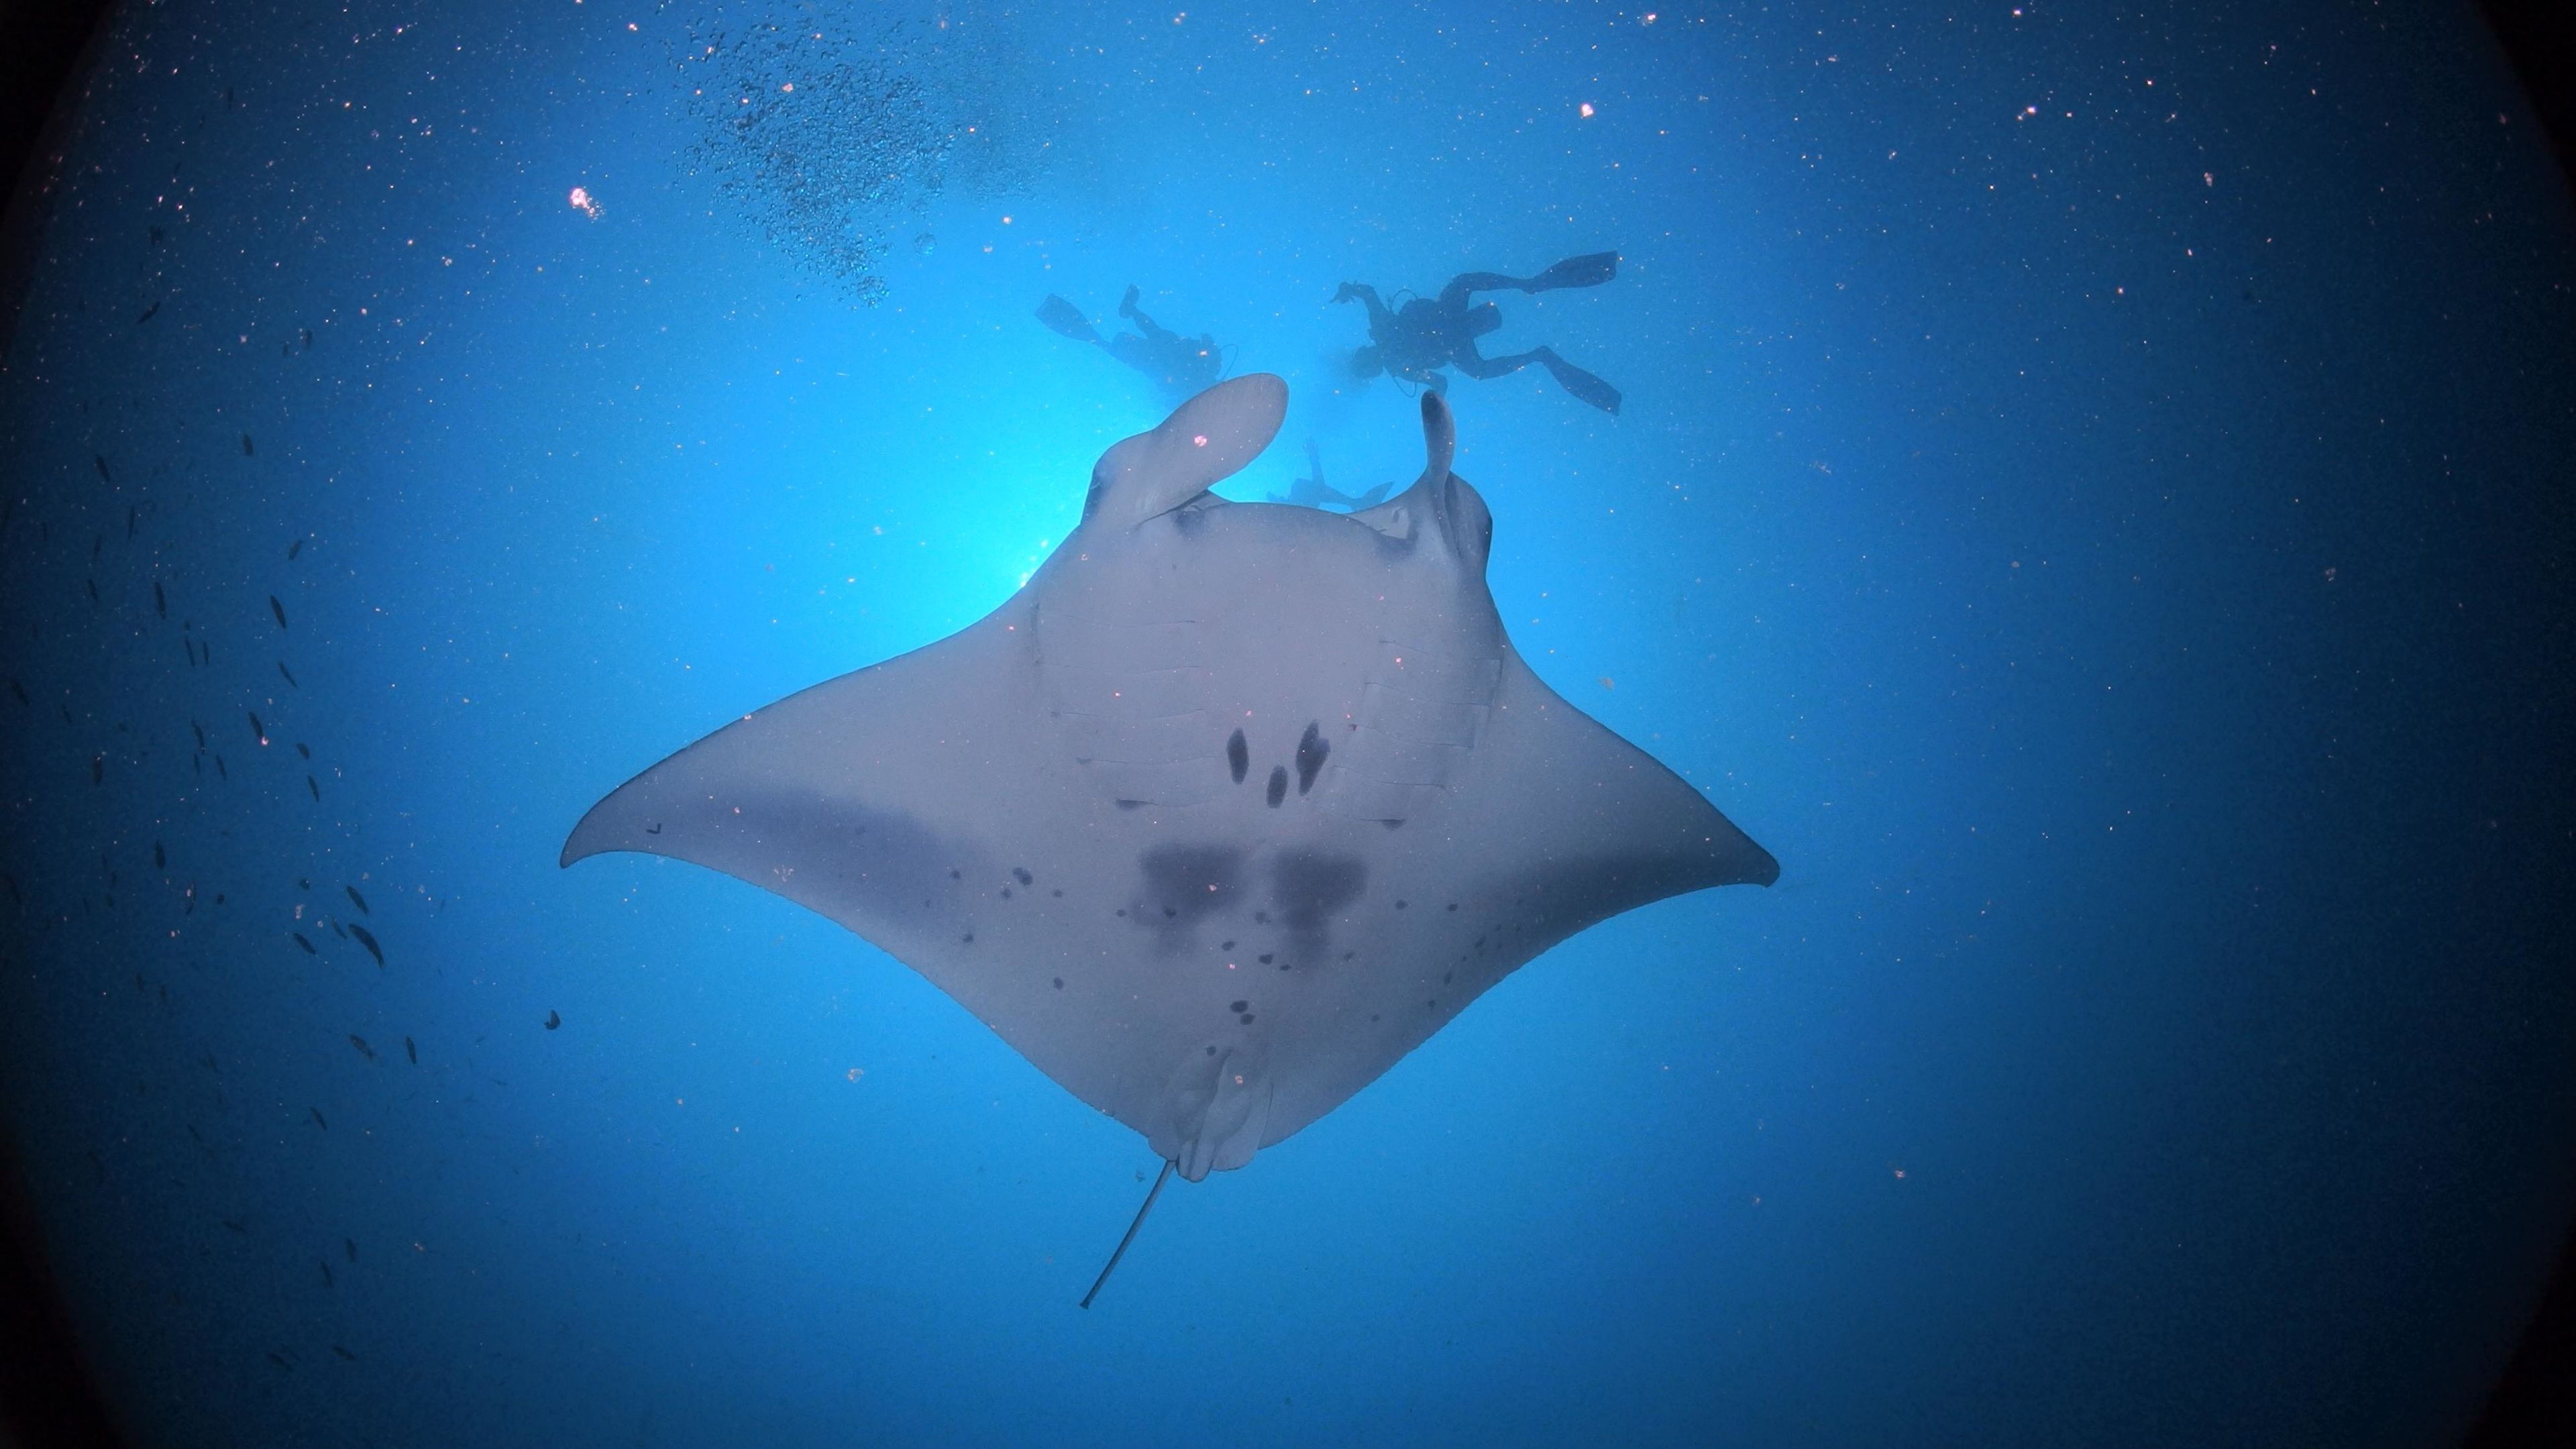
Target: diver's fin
{"type": "Point", "coordinates": [1586, 271]}
{"type": "Point", "coordinates": [1064, 317]}
{"type": "Point", "coordinates": [1371, 498]}
{"type": "Point", "coordinates": [1582, 384]}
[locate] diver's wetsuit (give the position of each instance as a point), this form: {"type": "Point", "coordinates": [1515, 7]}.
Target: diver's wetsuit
{"type": "Point", "coordinates": [1428, 333]}
{"type": "Point", "coordinates": [1181, 366]}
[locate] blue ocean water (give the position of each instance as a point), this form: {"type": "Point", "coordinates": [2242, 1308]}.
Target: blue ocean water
{"type": "Point", "coordinates": [2090, 496]}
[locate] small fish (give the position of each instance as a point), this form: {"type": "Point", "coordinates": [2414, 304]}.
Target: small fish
{"type": "Point", "coordinates": [315, 786]}
{"type": "Point", "coordinates": [277, 1359]}
{"type": "Point", "coordinates": [326, 1273]}
{"type": "Point", "coordinates": [293, 549]}
{"type": "Point", "coordinates": [96, 543]}
{"type": "Point", "coordinates": [278, 609]}
{"type": "Point", "coordinates": [219, 768]}
{"type": "Point", "coordinates": [133, 518]}
{"type": "Point", "coordinates": [101, 460]}
{"type": "Point", "coordinates": [307, 945]}
{"type": "Point", "coordinates": [317, 1118]}
{"type": "Point", "coordinates": [359, 900]}
{"type": "Point", "coordinates": [201, 733]}
{"type": "Point", "coordinates": [236, 1225]}
{"type": "Point", "coordinates": [553, 1019]}
{"type": "Point", "coordinates": [20, 690]}
{"type": "Point", "coordinates": [256, 728]}
{"type": "Point", "coordinates": [160, 860]}
{"type": "Point", "coordinates": [160, 600]}
{"type": "Point", "coordinates": [302, 884]}
{"type": "Point", "coordinates": [360, 1043]}
{"type": "Point", "coordinates": [653, 829]}
{"type": "Point", "coordinates": [289, 674]}
{"type": "Point", "coordinates": [350, 1245]}
{"type": "Point", "coordinates": [148, 314]}
{"type": "Point", "coordinates": [411, 1051]}
{"type": "Point", "coordinates": [93, 589]}
{"type": "Point", "coordinates": [369, 941]}
{"type": "Point", "coordinates": [304, 749]}
{"type": "Point", "coordinates": [334, 923]}
{"type": "Point", "coordinates": [246, 448]}
{"type": "Point", "coordinates": [97, 769]}
{"type": "Point", "coordinates": [308, 338]}
{"type": "Point", "coordinates": [344, 1353]}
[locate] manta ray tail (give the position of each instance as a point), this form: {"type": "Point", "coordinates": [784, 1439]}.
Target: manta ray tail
{"type": "Point", "coordinates": [1064, 317]}
{"type": "Point", "coordinates": [1112, 1265]}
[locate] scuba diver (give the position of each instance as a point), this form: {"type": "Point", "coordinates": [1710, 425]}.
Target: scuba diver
{"type": "Point", "coordinates": [1183, 367]}
{"type": "Point", "coordinates": [1430, 333]}
{"type": "Point", "coordinates": [1314, 492]}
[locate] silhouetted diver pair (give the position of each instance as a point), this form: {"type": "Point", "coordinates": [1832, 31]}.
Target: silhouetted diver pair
{"type": "Point", "coordinates": [1426, 334]}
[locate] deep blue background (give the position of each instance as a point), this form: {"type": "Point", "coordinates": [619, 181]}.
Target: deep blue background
{"type": "Point", "coordinates": [2091, 499]}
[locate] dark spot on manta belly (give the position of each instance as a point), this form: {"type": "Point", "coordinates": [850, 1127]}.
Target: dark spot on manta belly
{"type": "Point", "coordinates": [1278, 785]}
{"type": "Point", "coordinates": [1239, 1006]}
{"type": "Point", "coordinates": [1312, 747]}
{"type": "Point", "coordinates": [1190, 881]}
{"type": "Point", "coordinates": [1309, 885]}
{"type": "Point", "coordinates": [1059, 983]}
{"type": "Point", "coordinates": [1021, 874]}
{"type": "Point", "coordinates": [1238, 756]}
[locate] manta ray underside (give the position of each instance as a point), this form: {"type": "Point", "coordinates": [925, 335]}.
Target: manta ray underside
{"type": "Point", "coordinates": [1226, 810]}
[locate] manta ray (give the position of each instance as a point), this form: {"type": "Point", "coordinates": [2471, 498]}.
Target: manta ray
{"type": "Point", "coordinates": [1228, 808]}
